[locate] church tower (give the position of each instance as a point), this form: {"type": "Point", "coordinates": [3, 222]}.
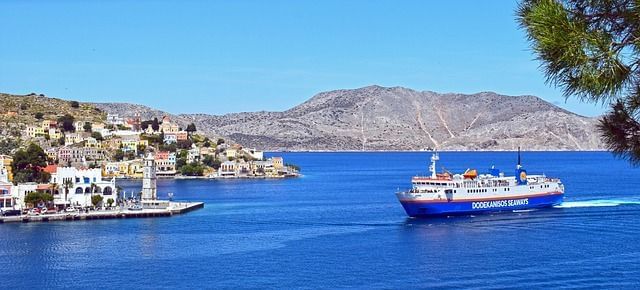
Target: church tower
{"type": "Point", "coordinates": [149, 191]}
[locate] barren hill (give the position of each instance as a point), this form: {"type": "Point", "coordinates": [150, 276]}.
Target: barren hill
{"type": "Point", "coordinates": [380, 118]}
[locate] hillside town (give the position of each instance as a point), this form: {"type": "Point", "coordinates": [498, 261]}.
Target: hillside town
{"type": "Point", "coordinates": [77, 162]}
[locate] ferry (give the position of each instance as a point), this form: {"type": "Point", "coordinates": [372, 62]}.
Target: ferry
{"type": "Point", "coordinates": [444, 194]}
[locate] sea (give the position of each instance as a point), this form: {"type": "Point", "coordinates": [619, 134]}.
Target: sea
{"type": "Point", "coordinates": [340, 226]}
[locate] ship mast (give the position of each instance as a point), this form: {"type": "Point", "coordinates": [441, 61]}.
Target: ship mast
{"type": "Point", "coordinates": [519, 166]}
{"type": "Point", "coordinates": [432, 167]}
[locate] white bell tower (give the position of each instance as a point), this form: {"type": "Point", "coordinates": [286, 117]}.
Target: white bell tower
{"type": "Point", "coordinates": [149, 191]}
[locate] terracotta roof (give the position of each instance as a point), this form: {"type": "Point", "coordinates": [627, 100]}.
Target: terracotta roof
{"type": "Point", "coordinates": [51, 168]}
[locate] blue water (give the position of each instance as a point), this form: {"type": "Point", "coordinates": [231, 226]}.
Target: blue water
{"type": "Point", "coordinates": [340, 226]}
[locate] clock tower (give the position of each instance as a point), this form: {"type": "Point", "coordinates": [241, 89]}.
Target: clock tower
{"type": "Point", "coordinates": [149, 191]}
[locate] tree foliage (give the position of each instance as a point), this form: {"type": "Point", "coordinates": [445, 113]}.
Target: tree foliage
{"type": "Point", "coordinates": [97, 135]}
{"type": "Point", "coordinates": [74, 104]}
{"type": "Point", "coordinates": [8, 145]}
{"type": "Point", "coordinates": [155, 125]}
{"type": "Point", "coordinates": [38, 115]}
{"type": "Point", "coordinates": [191, 128]}
{"type": "Point", "coordinates": [96, 200]}
{"type": "Point", "coordinates": [66, 123]}
{"type": "Point", "coordinates": [28, 164]}
{"type": "Point", "coordinates": [36, 197]}
{"type": "Point", "coordinates": [590, 49]}
{"type": "Point", "coordinates": [118, 155]}
{"type": "Point", "coordinates": [192, 169]}
{"type": "Point", "coordinates": [87, 127]}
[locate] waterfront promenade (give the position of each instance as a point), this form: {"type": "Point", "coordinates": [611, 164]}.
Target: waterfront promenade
{"type": "Point", "coordinates": [174, 208]}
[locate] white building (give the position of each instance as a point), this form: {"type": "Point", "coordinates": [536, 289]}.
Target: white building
{"type": "Point", "coordinates": [193, 155]}
{"type": "Point", "coordinates": [255, 154]}
{"type": "Point", "coordinates": [170, 138]}
{"type": "Point", "coordinates": [115, 119]}
{"type": "Point", "coordinates": [6, 198]}
{"type": "Point", "coordinates": [83, 183]}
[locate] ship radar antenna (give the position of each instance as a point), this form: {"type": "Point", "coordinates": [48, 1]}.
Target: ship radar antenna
{"type": "Point", "coordinates": [432, 167]}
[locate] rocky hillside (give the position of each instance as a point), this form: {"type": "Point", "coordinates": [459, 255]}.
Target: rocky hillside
{"type": "Point", "coordinates": [18, 111]}
{"type": "Point", "coordinates": [379, 118]}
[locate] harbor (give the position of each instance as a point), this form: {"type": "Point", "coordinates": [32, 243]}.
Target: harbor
{"type": "Point", "coordinates": [174, 208]}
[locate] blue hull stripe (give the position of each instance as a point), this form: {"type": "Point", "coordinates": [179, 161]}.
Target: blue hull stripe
{"type": "Point", "coordinates": [418, 209]}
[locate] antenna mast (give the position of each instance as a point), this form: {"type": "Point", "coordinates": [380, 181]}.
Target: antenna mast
{"type": "Point", "coordinates": [432, 167]}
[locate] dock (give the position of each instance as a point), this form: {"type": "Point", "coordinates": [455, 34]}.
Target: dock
{"type": "Point", "coordinates": [173, 209]}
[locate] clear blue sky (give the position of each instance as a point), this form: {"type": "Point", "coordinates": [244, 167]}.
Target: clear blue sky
{"type": "Point", "coordinates": [230, 56]}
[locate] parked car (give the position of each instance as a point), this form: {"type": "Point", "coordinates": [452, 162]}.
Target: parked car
{"type": "Point", "coordinates": [135, 207]}
{"type": "Point", "coordinates": [34, 211]}
{"type": "Point", "coordinates": [11, 212]}
{"type": "Point", "coordinates": [71, 209]}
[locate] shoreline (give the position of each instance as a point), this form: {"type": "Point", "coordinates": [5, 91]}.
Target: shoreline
{"type": "Point", "coordinates": [175, 208]}
{"type": "Point", "coordinates": [419, 151]}
{"type": "Point", "coordinates": [213, 177]}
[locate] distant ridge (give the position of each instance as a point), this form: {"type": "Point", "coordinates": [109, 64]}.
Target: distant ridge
{"type": "Point", "coordinates": [397, 118]}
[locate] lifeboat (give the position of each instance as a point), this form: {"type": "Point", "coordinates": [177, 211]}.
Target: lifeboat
{"type": "Point", "coordinates": [470, 174]}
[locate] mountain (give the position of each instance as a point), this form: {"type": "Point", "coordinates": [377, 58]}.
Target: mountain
{"type": "Point", "coordinates": [396, 118]}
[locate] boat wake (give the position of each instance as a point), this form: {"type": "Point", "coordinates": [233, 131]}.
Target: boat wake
{"type": "Point", "coordinates": [597, 203]}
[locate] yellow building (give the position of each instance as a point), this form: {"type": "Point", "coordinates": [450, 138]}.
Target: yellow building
{"type": "Point", "coordinates": [72, 138]}
{"type": "Point", "coordinates": [136, 169]}
{"type": "Point", "coordinates": [231, 152]}
{"type": "Point", "coordinates": [278, 163]}
{"type": "Point", "coordinates": [6, 161]}
{"type": "Point", "coordinates": [123, 168]}
{"type": "Point", "coordinates": [54, 134]}
{"type": "Point", "coordinates": [34, 131]}
{"type": "Point", "coordinates": [46, 125]}
{"type": "Point", "coordinates": [92, 143]}
{"type": "Point", "coordinates": [52, 154]}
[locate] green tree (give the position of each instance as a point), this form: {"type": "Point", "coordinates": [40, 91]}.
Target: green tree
{"type": "Point", "coordinates": [184, 144]}
{"type": "Point", "coordinates": [74, 104]}
{"type": "Point", "coordinates": [118, 155]}
{"type": "Point", "coordinates": [591, 50]}
{"type": "Point", "coordinates": [180, 162]}
{"type": "Point", "coordinates": [192, 169]}
{"type": "Point", "coordinates": [220, 141]}
{"type": "Point", "coordinates": [36, 197]}
{"type": "Point", "coordinates": [67, 184]}
{"type": "Point", "coordinates": [110, 202]}
{"type": "Point", "coordinates": [23, 107]}
{"type": "Point", "coordinates": [191, 128]}
{"type": "Point", "coordinates": [66, 123]}
{"type": "Point", "coordinates": [28, 164]}
{"type": "Point", "coordinates": [155, 125]}
{"type": "Point", "coordinates": [212, 162]}
{"type": "Point", "coordinates": [96, 200]}
{"type": "Point", "coordinates": [145, 124]}
{"type": "Point", "coordinates": [39, 115]}
{"type": "Point", "coordinates": [97, 136]}
{"type": "Point", "coordinates": [141, 148]}
{"type": "Point", "coordinates": [8, 145]}
{"type": "Point", "coordinates": [87, 127]}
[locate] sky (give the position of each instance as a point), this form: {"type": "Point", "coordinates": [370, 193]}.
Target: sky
{"type": "Point", "coordinates": [221, 57]}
